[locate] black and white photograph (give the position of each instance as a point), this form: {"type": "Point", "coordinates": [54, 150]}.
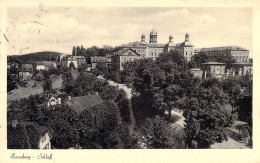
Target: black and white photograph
{"type": "Point", "coordinates": [132, 81]}
{"type": "Point", "coordinates": [129, 77]}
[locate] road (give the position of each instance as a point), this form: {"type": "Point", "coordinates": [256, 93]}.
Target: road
{"type": "Point", "coordinates": [128, 92]}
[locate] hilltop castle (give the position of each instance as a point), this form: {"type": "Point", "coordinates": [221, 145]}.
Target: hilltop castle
{"type": "Point", "coordinates": [153, 48]}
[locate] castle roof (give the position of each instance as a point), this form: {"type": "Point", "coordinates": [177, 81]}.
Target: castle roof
{"type": "Point", "coordinates": [138, 44]}
{"type": "Point", "coordinates": [153, 32]}
{"type": "Point", "coordinates": [223, 48]}
{"type": "Point", "coordinates": [186, 44]}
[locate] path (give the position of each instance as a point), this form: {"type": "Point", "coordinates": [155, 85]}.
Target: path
{"type": "Point", "coordinates": [128, 92]}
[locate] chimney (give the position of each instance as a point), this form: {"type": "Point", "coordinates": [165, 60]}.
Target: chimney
{"type": "Point", "coordinates": [59, 101]}
{"type": "Point", "coordinates": [14, 123]}
{"type": "Point", "coordinates": [69, 97]}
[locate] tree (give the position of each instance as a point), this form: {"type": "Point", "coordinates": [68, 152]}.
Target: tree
{"type": "Point", "coordinates": [206, 118]}
{"type": "Point", "coordinates": [100, 127]}
{"type": "Point", "coordinates": [73, 51]}
{"type": "Point", "coordinates": [233, 90]}
{"type": "Point", "coordinates": [158, 134]}
{"type": "Point", "coordinates": [47, 85]}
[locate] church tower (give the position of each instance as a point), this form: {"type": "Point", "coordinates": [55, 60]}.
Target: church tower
{"type": "Point", "coordinates": [153, 36]}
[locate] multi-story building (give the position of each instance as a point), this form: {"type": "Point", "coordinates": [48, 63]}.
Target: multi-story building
{"type": "Point", "coordinates": [186, 48]}
{"type": "Point", "coordinates": [100, 59]}
{"type": "Point", "coordinates": [152, 49]}
{"type": "Point", "coordinates": [122, 56]}
{"type": "Point", "coordinates": [241, 55]}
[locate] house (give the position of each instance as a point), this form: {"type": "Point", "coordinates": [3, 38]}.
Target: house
{"type": "Point", "coordinates": [44, 65]}
{"type": "Point", "coordinates": [215, 69]}
{"type": "Point", "coordinates": [197, 72]}
{"type": "Point", "coordinates": [53, 101]}
{"type": "Point", "coordinates": [84, 102]}
{"type": "Point", "coordinates": [122, 56]}
{"type": "Point", "coordinates": [26, 71]}
{"type": "Point", "coordinates": [27, 135]}
{"type": "Point", "coordinates": [69, 60]}
{"type": "Point", "coordinates": [100, 59]}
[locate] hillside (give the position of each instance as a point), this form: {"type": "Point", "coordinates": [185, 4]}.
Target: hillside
{"type": "Point", "coordinates": [38, 56]}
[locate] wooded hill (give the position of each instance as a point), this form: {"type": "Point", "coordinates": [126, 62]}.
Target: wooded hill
{"type": "Point", "coordinates": [37, 56]}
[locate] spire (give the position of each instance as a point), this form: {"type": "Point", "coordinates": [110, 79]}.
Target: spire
{"type": "Point", "coordinates": [187, 37]}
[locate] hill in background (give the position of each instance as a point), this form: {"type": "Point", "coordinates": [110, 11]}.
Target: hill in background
{"type": "Point", "coordinates": [37, 56]}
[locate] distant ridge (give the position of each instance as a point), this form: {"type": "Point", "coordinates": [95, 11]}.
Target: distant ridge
{"type": "Point", "coordinates": [37, 56]}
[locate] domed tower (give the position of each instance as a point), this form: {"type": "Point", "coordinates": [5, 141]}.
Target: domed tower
{"type": "Point", "coordinates": [143, 38]}
{"type": "Point", "coordinates": [170, 39]}
{"type": "Point", "coordinates": [153, 36]}
{"type": "Point", "coordinates": [187, 37]}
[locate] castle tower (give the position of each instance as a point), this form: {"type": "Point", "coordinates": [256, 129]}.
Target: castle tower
{"type": "Point", "coordinates": [187, 37]}
{"type": "Point", "coordinates": [170, 39]}
{"type": "Point", "coordinates": [143, 38]}
{"type": "Point", "coordinates": [153, 36]}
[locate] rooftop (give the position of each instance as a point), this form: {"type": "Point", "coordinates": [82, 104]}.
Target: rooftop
{"type": "Point", "coordinates": [84, 102]}
{"type": "Point", "coordinates": [223, 48]}
{"type": "Point", "coordinates": [138, 44]}
{"type": "Point", "coordinates": [26, 135]}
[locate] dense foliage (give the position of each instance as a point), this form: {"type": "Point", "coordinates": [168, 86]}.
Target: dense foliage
{"type": "Point", "coordinates": [32, 57]}
{"type": "Point", "coordinates": [167, 84]}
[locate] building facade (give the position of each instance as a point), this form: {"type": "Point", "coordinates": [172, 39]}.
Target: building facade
{"type": "Point", "coordinates": [215, 69]}
{"type": "Point", "coordinates": [152, 49]}
{"type": "Point", "coordinates": [77, 61]}
{"type": "Point", "coordinates": [241, 69]}
{"type": "Point", "coordinates": [100, 59]}
{"type": "Point", "coordinates": [121, 57]}
{"type": "Point", "coordinates": [186, 48]}
{"type": "Point", "coordinates": [241, 55]}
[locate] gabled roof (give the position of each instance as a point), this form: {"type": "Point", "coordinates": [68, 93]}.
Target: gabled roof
{"type": "Point", "coordinates": [84, 102]}
{"type": "Point", "coordinates": [136, 44]}
{"type": "Point", "coordinates": [123, 52]}
{"type": "Point", "coordinates": [26, 135]}
{"type": "Point", "coordinates": [46, 63]}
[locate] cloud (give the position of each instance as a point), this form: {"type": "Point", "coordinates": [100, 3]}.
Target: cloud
{"type": "Point", "coordinates": [60, 29]}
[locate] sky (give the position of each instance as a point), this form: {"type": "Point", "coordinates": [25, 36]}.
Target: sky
{"type": "Point", "coordinates": [43, 28]}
